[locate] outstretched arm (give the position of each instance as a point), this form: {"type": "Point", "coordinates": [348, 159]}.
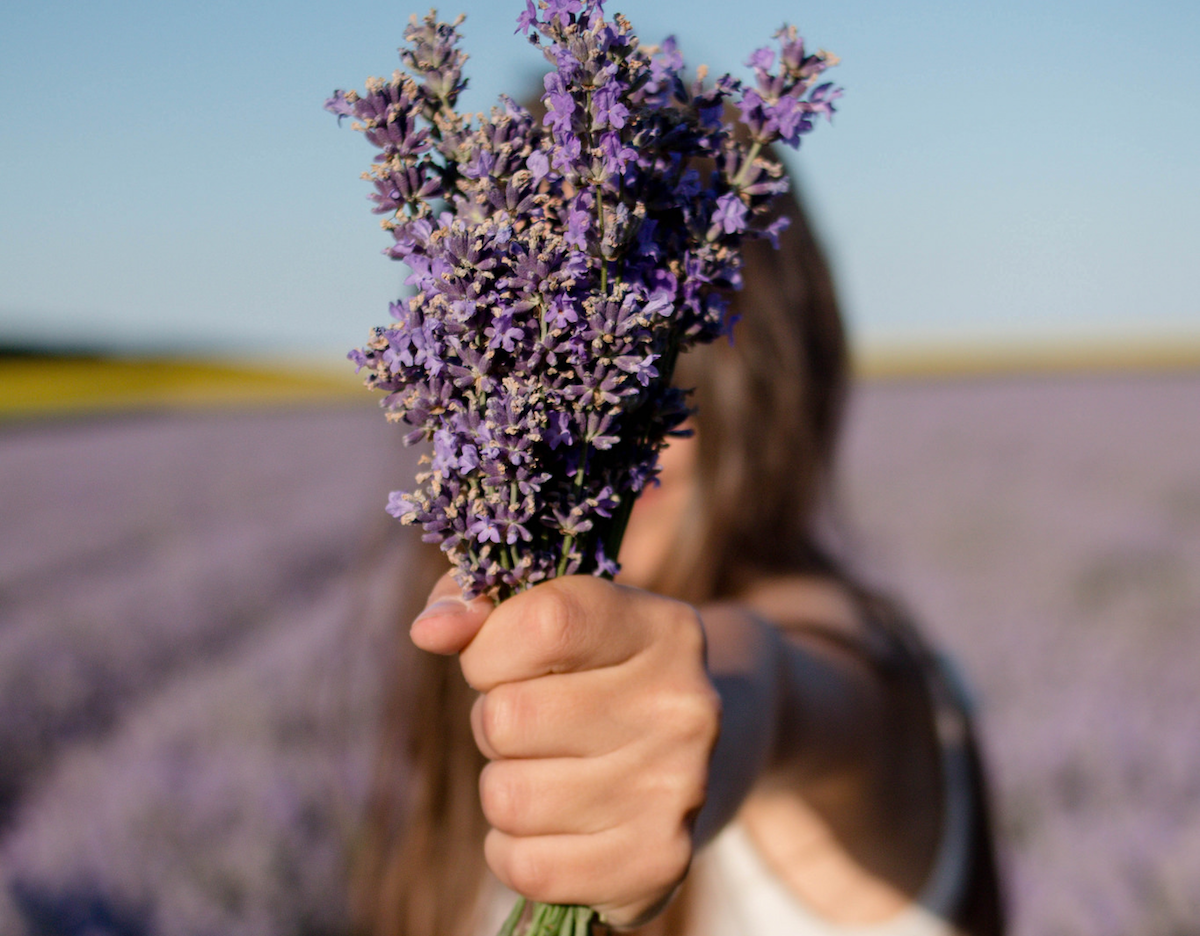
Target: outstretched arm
{"type": "Point", "coordinates": [617, 744]}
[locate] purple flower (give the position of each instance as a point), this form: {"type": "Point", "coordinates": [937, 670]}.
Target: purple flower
{"type": "Point", "coordinates": [566, 63]}
{"type": "Point", "coordinates": [481, 165]}
{"type": "Point", "coordinates": [562, 311]}
{"type": "Point", "coordinates": [821, 98]}
{"type": "Point", "coordinates": [668, 62]}
{"type": "Point", "coordinates": [607, 109]}
{"type": "Point", "coordinates": [775, 228]}
{"type": "Point", "coordinates": [663, 288]}
{"type": "Point", "coordinates": [567, 153]}
{"type": "Point", "coordinates": [761, 59]}
{"type": "Point", "coordinates": [560, 105]}
{"type": "Point", "coordinates": [751, 107]}
{"type": "Point", "coordinates": [787, 119]}
{"type": "Point", "coordinates": [730, 214]}
{"type": "Point", "coordinates": [504, 334]}
{"type": "Point", "coordinates": [400, 505]}
{"type": "Point", "coordinates": [562, 10]}
{"type": "Point", "coordinates": [604, 565]}
{"type": "Point", "coordinates": [527, 18]}
{"type": "Point", "coordinates": [643, 369]}
{"type": "Point", "coordinates": [339, 105]}
{"type": "Point", "coordinates": [558, 430]}
{"type": "Point", "coordinates": [484, 529]}
{"type": "Point", "coordinates": [579, 220]}
{"type": "Point", "coordinates": [617, 154]}
{"type": "Point", "coordinates": [539, 165]}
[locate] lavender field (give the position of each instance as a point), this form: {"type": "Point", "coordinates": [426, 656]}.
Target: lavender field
{"type": "Point", "coordinates": [194, 610]}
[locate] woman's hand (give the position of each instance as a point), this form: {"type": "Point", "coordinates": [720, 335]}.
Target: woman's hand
{"type": "Point", "coordinates": [599, 719]}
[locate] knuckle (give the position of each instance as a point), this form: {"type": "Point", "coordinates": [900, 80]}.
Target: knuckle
{"type": "Point", "coordinates": [495, 719]}
{"type": "Point", "coordinates": [527, 870]}
{"type": "Point", "coordinates": [693, 713]}
{"type": "Point", "coordinates": [502, 718]}
{"type": "Point", "coordinates": [503, 797]}
{"type": "Point", "coordinates": [687, 789]}
{"type": "Point", "coordinates": [550, 621]}
{"type": "Point", "coordinates": [687, 631]}
{"type": "Point", "coordinates": [709, 714]}
{"type": "Point", "coordinates": [677, 856]}
{"type": "Point", "coordinates": [668, 864]}
{"type": "Point", "coordinates": [678, 790]}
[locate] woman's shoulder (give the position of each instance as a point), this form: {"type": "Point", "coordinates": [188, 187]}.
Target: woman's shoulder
{"type": "Point", "coordinates": [930, 702]}
{"type": "Point", "coordinates": [829, 608]}
{"type": "Point", "coordinates": [797, 601]}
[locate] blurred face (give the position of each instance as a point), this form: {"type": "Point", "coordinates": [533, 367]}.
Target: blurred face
{"type": "Point", "coordinates": [658, 513]}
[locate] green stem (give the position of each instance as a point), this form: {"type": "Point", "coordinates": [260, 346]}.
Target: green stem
{"type": "Point", "coordinates": [566, 553]}
{"type": "Point", "coordinates": [539, 916]}
{"type": "Point", "coordinates": [600, 227]}
{"type": "Point", "coordinates": [740, 178]}
{"type": "Point", "coordinates": [582, 469]}
{"type": "Point", "coordinates": [549, 920]}
{"type": "Point", "coordinates": [514, 917]}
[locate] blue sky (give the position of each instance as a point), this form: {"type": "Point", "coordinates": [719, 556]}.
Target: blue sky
{"type": "Point", "coordinates": [1021, 171]}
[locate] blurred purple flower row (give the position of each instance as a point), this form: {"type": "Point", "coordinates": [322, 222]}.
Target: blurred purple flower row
{"type": "Point", "coordinates": [189, 576]}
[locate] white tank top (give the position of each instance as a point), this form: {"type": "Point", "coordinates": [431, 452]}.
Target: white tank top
{"type": "Point", "coordinates": [739, 894]}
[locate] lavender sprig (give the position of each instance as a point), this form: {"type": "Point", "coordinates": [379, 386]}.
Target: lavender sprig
{"type": "Point", "coordinates": [560, 267]}
{"type": "Point", "coordinates": [559, 270]}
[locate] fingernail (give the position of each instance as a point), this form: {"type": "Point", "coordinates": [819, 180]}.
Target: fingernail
{"type": "Point", "coordinates": [442, 607]}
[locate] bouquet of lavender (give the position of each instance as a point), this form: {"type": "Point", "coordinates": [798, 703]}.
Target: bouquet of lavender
{"type": "Point", "coordinates": [560, 267]}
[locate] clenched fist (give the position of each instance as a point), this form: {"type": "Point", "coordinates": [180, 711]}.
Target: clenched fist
{"type": "Point", "coordinates": [599, 720]}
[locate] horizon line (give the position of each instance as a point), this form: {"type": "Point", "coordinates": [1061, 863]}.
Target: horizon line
{"type": "Point", "coordinates": [35, 384]}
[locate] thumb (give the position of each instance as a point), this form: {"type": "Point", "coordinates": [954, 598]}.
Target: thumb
{"type": "Point", "coordinates": [449, 622]}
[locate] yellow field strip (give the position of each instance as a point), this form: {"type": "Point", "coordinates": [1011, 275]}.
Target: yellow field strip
{"type": "Point", "coordinates": [949, 361]}
{"type": "Point", "coordinates": [47, 386]}
{"type": "Point", "coordinates": [33, 386]}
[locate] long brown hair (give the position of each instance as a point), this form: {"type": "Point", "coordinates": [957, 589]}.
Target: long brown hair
{"type": "Point", "coordinates": [768, 411]}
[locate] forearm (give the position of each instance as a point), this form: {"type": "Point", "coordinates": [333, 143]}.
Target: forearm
{"type": "Point", "coordinates": [744, 658]}
{"type": "Point", "coordinates": [795, 710]}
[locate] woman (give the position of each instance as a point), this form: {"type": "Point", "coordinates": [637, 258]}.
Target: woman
{"type": "Point", "coordinates": [734, 686]}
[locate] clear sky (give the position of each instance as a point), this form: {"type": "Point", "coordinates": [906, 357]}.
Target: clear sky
{"type": "Point", "coordinates": [1022, 170]}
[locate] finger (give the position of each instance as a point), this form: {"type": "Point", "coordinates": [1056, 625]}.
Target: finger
{"type": "Point", "coordinates": [613, 871]}
{"type": "Point", "coordinates": [562, 715]}
{"type": "Point", "coordinates": [585, 796]}
{"type": "Point", "coordinates": [448, 622]}
{"type": "Point", "coordinates": [556, 796]}
{"type": "Point", "coordinates": [568, 624]}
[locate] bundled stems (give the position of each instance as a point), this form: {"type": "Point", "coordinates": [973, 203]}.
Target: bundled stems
{"type": "Point", "coordinates": [549, 919]}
